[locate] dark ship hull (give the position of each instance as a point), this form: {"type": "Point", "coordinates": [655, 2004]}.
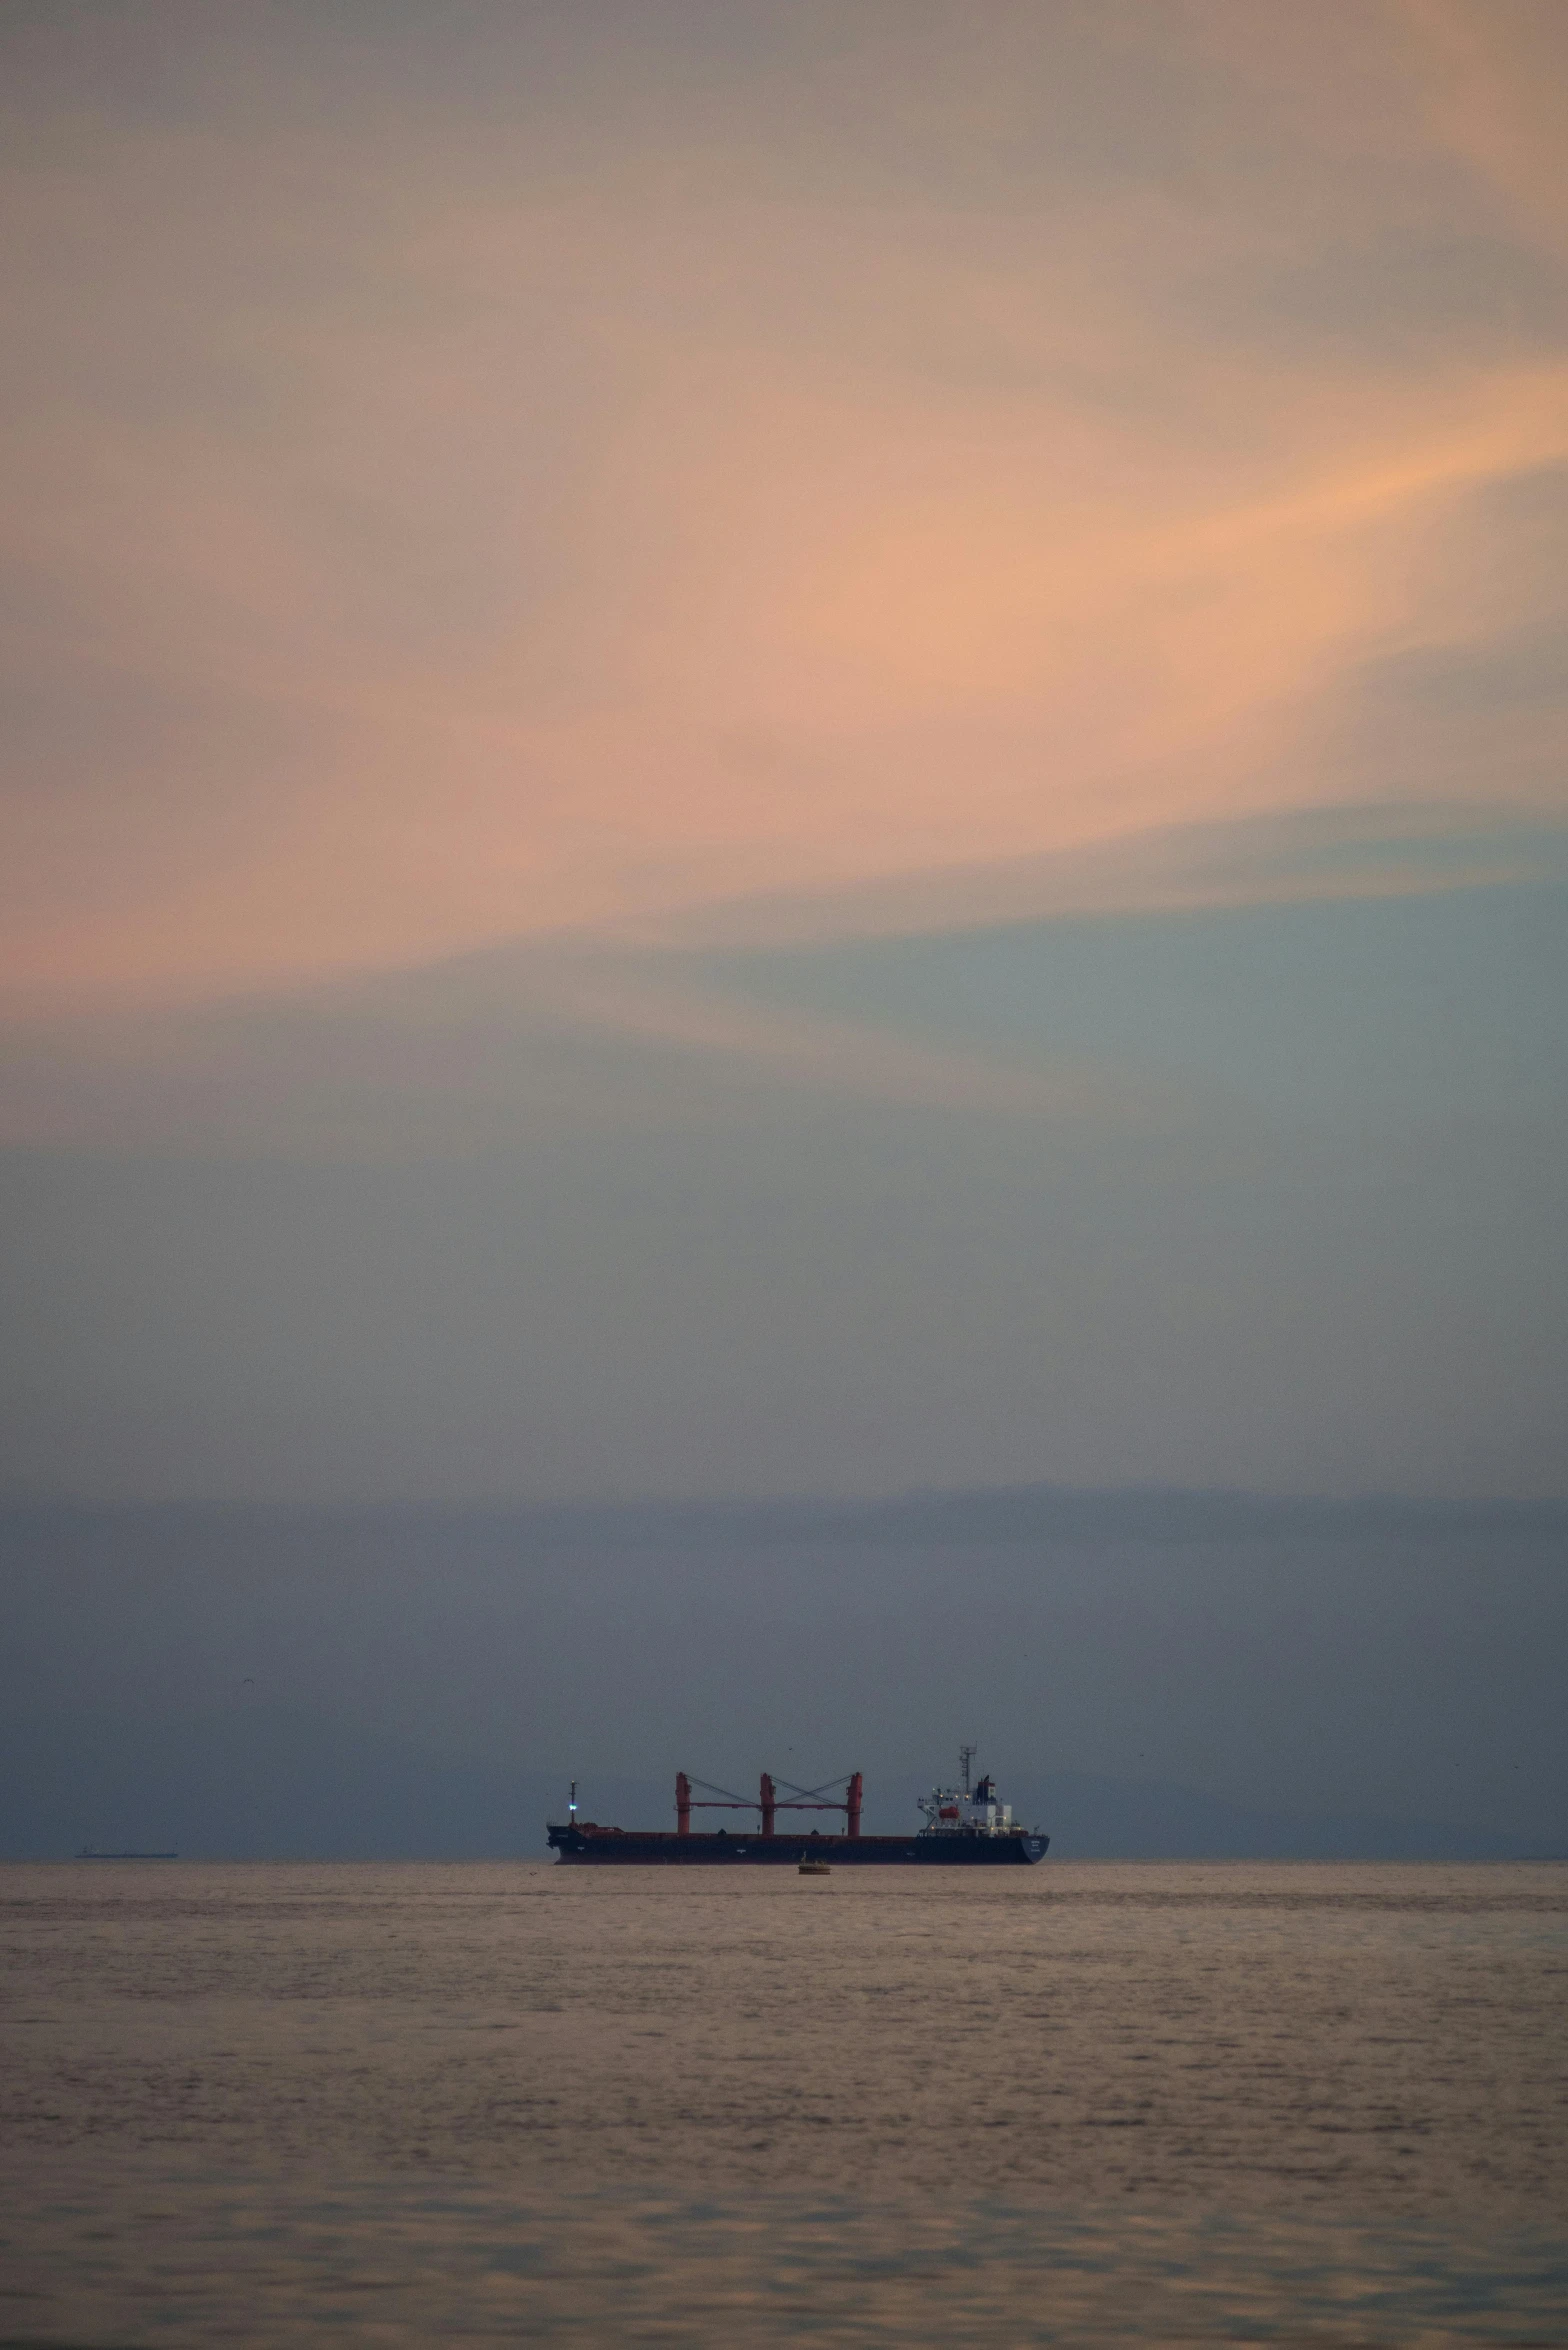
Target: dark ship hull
{"type": "Point", "coordinates": [599, 1847]}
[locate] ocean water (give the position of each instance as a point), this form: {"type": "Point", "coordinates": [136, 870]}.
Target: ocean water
{"type": "Point", "coordinates": [1082, 2103]}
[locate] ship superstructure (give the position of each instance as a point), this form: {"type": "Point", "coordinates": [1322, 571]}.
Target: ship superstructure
{"type": "Point", "coordinates": [966, 1827]}
{"type": "Point", "coordinates": [967, 1810]}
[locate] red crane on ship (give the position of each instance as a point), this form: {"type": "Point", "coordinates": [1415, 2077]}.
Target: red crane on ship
{"type": "Point", "coordinates": [768, 1801]}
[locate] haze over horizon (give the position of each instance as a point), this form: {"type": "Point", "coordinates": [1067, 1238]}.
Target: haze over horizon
{"type": "Point", "coordinates": [1150, 1674]}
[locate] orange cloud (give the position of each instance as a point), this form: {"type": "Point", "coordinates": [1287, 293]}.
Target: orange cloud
{"type": "Point", "coordinates": [418, 554]}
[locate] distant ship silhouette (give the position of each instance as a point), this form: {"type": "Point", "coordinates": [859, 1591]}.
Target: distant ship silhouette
{"type": "Point", "coordinates": [87, 1853]}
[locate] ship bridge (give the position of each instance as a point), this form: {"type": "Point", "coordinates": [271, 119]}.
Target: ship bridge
{"type": "Point", "coordinates": [967, 1810]}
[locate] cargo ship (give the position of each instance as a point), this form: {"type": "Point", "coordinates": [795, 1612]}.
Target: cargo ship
{"type": "Point", "coordinates": [87, 1853]}
{"type": "Point", "coordinates": [966, 1827]}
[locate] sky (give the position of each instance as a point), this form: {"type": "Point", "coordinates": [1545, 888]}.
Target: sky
{"type": "Point", "coordinates": [761, 750]}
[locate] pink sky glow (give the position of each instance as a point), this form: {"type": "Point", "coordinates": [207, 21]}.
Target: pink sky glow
{"type": "Point", "coordinates": [591, 533]}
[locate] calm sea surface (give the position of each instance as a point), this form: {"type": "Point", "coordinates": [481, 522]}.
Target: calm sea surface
{"type": "Point", "coordinates": [1080, 2103]}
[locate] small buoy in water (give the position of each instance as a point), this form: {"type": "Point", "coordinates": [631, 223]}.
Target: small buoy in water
{"type": "Point", "coordinates": [815, 1868]}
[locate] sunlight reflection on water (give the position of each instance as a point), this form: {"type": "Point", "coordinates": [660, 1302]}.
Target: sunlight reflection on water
{"type": "Point", "coordinates": [1088, 2104]}
{"type": "Point", "coordinates": [179, 2258]}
